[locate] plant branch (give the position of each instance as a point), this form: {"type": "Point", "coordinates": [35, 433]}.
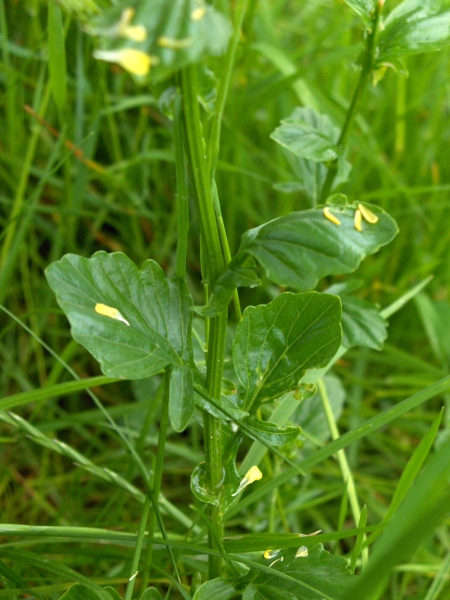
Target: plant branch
{"type": "Point", "coordinates": [366, 70]}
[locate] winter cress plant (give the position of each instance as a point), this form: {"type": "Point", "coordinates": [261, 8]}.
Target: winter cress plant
{"type": "Point", "coordinates": [138, 323]}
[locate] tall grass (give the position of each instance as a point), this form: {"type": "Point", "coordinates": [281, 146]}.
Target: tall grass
{"type": "Point", "coordinates": [87, 164]}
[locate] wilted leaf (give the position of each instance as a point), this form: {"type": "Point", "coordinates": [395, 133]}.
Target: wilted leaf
{"type": "Point", "coordinates": [275, 344]}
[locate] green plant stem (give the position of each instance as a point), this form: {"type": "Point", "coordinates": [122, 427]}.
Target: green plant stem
{"type": "Point", "coordinates": [157, 478]}
{"type": "Point", "coordinates": [347, 474]}
{"type": "Point", "coordinates": [366, 70]}
{"type": "Point", "coordinates": [212, 266]}
{"type": "Point", "coordinates": [182, 190]}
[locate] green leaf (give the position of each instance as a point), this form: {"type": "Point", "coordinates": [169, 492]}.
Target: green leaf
{"type": "Point", "coordinates": [114, 594]}
{"type": "Point", "coordinates": [424, 508]}
{"type": "Point", "coordinates": [414, 27]}
{"type": "Point", "coordinates": [80, 591]}
{"type": "Point", "coordinates": [364, 8]}
{"type": "Point", "coordinates": [312, 175]}
{"type": "Point", "coordinates": [271, 433]}
{"type": "Point", "coordinates": [362, 324]}
{"type": "Point", "coordinates": [299, 575]}
{"type": "Point", "coordinates": [170, 34]}
{"type": "Point", "coordinates": [309, 135]}
{"type": "Point", "coordinates": [235, 276]}
{"type": "Point", "coordinates": [151, 593]}
{"type": "Point", "coordinates": [155, 330]}
{"type": "Point", "coordinates": [277, 343]}
{"type": "Point", "coordinates": [313, 419]}
{"type": "Point", "coordinates": [219, 589]}
{"type": "Point", "coordinates": [298, 249]}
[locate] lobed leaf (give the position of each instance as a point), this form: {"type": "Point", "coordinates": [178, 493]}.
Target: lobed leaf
{"type": "Point", "coordinates": [275, 344]}
{"type": "Point", "coordinates": [364, 8]}
{"type": "Point", "coordinates": [308, 134]}
{"type": "Point", "coordinates": [154, 332]}
{"type": "Point", "coordinates": [414, 27]}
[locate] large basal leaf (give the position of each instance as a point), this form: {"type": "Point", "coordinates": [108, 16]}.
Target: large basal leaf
{"type": "Point", "coordinates": [162, 36]}
{"type": "Point", "coordinates": [414, 27]}
{"type": "Point", "coordinates": [310, 575]}
{"type": "Point", "coordinates": [275, 344]}
{"type": "Point", "coordinates": [152, 330]}
{"type": "Point", "coordinates": [308, 134]}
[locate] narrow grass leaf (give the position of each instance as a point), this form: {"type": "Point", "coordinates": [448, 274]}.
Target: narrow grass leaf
{"type": "Point", "coordinates": [57, 55]}
{"type": "Point", "coordinates": [426, 504]}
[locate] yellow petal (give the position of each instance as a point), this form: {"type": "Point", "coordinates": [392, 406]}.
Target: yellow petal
{"type": "Point", "coordinates": [358, 220]}
{"type": "Point", "coordinates": [166, 42]}
{"type": "Point", "coordinates": [109, 311]}
{"type": "Point", "coordinates": [301, 552]}
{"type": "Point", "coordinates": [368, 215]}
{"type": "Point", "coordinates": [329, 215]}
{"type": "Point", "coordinates": [253, 474]}
{"type": "Point", "coordinates": [268, 554]}
{"type": "Point", "coordinates": [136, 33]}
{"type": "Point", "coordinates": [198, 13]}
{"type": "Point", "coordinates": [133, 61]}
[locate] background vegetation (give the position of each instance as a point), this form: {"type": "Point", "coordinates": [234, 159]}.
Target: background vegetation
{"type": "Point", "coordinates": [98, 174]}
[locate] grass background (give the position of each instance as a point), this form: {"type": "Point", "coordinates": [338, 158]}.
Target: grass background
{"type": "Point", "coordinates": [99, 175]}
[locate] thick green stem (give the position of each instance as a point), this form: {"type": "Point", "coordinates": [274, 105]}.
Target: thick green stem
{"type": "Point", "coordinates": [213, 264]}
{"type": "Point", "coordinates": [366, 71]}
{"type": "Point", "coordinates": [182, 190]}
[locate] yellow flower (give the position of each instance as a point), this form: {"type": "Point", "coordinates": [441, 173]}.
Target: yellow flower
{"type": "Point", "coordinates": [133, 61]}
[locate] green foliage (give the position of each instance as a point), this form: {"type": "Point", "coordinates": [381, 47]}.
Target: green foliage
{"type": "Point", "coordinates": [412, 28]}
{"type": "Point", "coordinates": [184, 179]}
{"type": "Point", "coordinates": [277, 343]}
{"type": "Point", "coordinates": [153, 331]}
{"type": "Point", "coordinates": [295, 574]}
{"type": "Point", "coordinates": [167, 36]}
{"type": "Point", "coordinates": [80, 591]}
{"type": "Point", "coordinates": [309, 135]}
